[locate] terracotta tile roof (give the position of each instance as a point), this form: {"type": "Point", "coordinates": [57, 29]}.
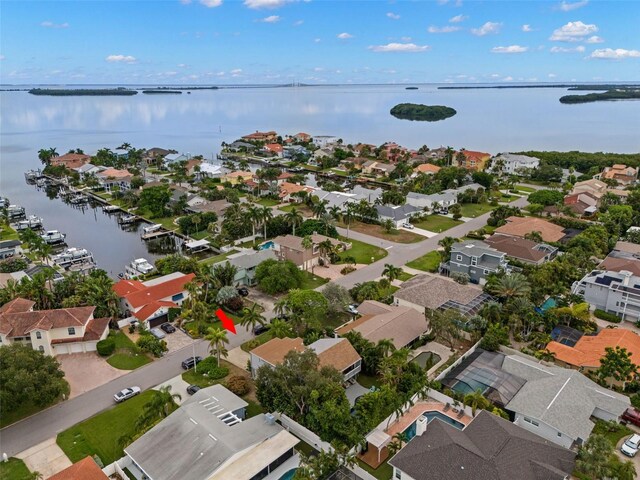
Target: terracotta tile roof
{"type": "Point", "coordinates": [115, 173]}
{"type": "Point", "coordinates": [427, 168]}
{"type": "Point", "coordinates": [274, 351]}
{"type": "Point", "coordinates": [590, 348]}
{"type": "Point", "coordinates": [95, 328]}
{"type": "Point", "coordinates": [158, 292]}
{"type": "Point", "coordinates": [151, 308]}
{"type": "Point", "coordinates": [125, 287]}
{"type": "Point", "coordinates": [287, 188]}
{"type": "Point", "coordinates": [71, 160]}
{"type": "Point", "coordinates": [520, 226]}
{"type": "Point", "coordinates": [628, 247]}
{"type": "Point", "coordinates": [239, 174]}
{"type": "Point", "coordinates": [273, 147]}
{"type": "Point", "coordinates": [20, 324]}
{"type": "Point", "coordinates": [285, 175]}
{"type": "Point", "coordinates": [17, 305]}
{"type": "Point", "coordinates": [86, 469]}
{"type": "Point", "coordinates": [516, 247]}
{"type": "Point", "coordinates": [478, 156]}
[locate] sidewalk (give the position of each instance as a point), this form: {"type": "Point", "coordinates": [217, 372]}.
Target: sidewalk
{"type": "Point", "coordinates": [46, 458]}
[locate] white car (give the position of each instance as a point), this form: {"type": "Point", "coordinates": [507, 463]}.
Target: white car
{"type": "Point", "coordinates": [159, 334]}
{"type": "Point", "coordinates": [631, 446]}
{"type": "Point", "coordinates": [126, 394]}
{"type": "Point", "coordinates": [353, 309]}
{"type": "Point", "coordinates": [407, 226]}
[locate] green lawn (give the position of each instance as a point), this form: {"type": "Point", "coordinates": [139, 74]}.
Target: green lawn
{"type": "Point", "coordinates": [368, 381]}
{"type": "Point", "coordinates": [613, 436]}
{"type": "Point", "coordinates": [522, 188]}
{"type": "Point", "coordinates": [383, 472]}
{"type": "Point", "coordinates": [217, 258]}
{"type": "Point", "coordinates": [253, 409]}
{"type": "Point", "coordinates": [473, 210]}
{"type": "Point", "coordinates": [127, 355]}
{"type": "Point", "coordinates": [8, 233]}
{"type": "Point", "coordinates": [100, 435]}
{"type": "Point", "coordinates": [437, 223]}
{"type": "Point", "coordinates": [404, 276]}
{"type": "Point", "coordinates": [257, 341]}
{"type": "Point", "coordinates": [342, 173]}
{"type": "Point", "coordinates": [362, 252]}
{"type": "Point", "coordinates": [202, 234]}
{"type": "Point", "coordinates": [14, 469]}
{"type": "Point", "coordinates": [196, 378]}
{"type": "Point", "coordinates": [288, 208]}
{"type": "Point", "coordinates": [426, 263]}
{"type": "Point", "coordinates": [268, 202]}
{"type": "Point", "coordinates": [311, 281]}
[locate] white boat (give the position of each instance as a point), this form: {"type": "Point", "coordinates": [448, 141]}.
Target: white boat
{"type": "Point", "coordinates": [128, 219]}
{"type": "Point", "coordinates": [42, 182]}
{"type": "Point", "coordinates": [31, 222]}
{"type": "Point", "coordinates": [140, 266]}
{"type": "Point", "coordinates": [53, 236]}
{"type": "Point", "coordinates": [152, 228]}
{"type": "Point", "coordinates": [78, 199]}
{"type": "Point", "coordinates": [4, 202]}
{"type": "Point", "coordinates": [110, 208]}
{"type": "Point", "coordinates": [73, 255]}
{"type": "Point", "coordinates": [32, 175]}
{"type": "Point", "coordinates": [15, 211]}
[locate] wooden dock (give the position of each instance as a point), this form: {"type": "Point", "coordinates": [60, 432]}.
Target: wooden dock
{"type": "Point", "coordinates": [156, 234]}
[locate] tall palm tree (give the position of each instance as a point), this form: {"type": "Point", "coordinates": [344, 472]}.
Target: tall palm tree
{"type": "Point", "coordinates": [334, 212]}
{"type": "Point", "coordinates": [491, 311]}
{"type": "Point", "coordinates": [476, 400]}
{"type": "Point", "coordinates": [307, 243]}
{"type": "Point", "coordinates": [510, 286]}
{"type": "Point", "coordinates": [159, 407]}
{"type": "Point", "coordinates": [347, 216]}
{"type": "Point", "coordinates": [294, 218]}
{"type": "Point", "coordinates": [319, 208]}
{"type": "Point", "coordinates": [280, 329]}
{"type": "Point", "coordinates": [266, 214]}
{"type": "Point", "coordinates": [251, 317]}
{"type": "Point", "coordinates": [326, 248]}
{"type": "Point", "coordinates": [254, 215]}
{"type": "Point", "coordinates": [391, 272]}
{"type": "Point", "coordinates": [217, 339]}
{"type": "Point", "coordinates": [386, 346]}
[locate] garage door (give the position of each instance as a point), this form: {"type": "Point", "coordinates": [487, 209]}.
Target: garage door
{"type": "Point", "coordinates": [60, 349]}
{"type": "Point", "coordinates": [76, 348]}
{"type": "Point", "coordinates": [158, 320]}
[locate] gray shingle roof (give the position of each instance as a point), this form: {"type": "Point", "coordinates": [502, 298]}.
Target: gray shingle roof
{"type": "Point", "coordinates": [399, 212]}
{"type": "Point", "coordinates": [432, 291]}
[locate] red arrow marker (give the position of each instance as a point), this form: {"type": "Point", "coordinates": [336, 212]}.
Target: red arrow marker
{"type": "Point", "coordinates": [226, 321]}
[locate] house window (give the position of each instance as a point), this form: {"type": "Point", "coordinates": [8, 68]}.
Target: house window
{"type": "Point", "coordinates": [532, 422]}
{"type": "Point", "coordinates": [459, 257]}
{"type": "Point", "coordinates": [474, 260]}
{"type": "Point", "coordinates": [39, 335]}
{"type": "Point", "coordinates": [486, 272]}
{"type": "Point", "coordinates": [71, 330]}
{"type": "Point", "coordinates": [398, 474]}
{"type": "Point", "coordinates": [559, 434]}
{"type": "Point", "coordinates": [41, 348]}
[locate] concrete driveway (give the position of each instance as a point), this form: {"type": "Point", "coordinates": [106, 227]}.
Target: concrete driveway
{"type": "Point", "coordinates": [624, 458]}
{"type": "Point", "coordinates": [46, 458]}
{"type": "Point", "coordinates": [86, 371]}
{"type": "Point", "coordinates": [178, 385]}
{"type": "Point", "coordinates": [177, 340]}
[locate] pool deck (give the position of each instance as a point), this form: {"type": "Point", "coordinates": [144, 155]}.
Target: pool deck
{"type": "Point", "coordinates": [434, 347]}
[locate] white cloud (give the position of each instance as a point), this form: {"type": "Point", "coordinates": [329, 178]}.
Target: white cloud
{"type": "Point", "coordinates": [445, 29]}
{"type": "Point", "coordinates": [527, 28]}
{"type": "Point", "coordinates": [552, 75]}
{"type": "Point", "coordinates": [317, 40]}
{"type": "Point", "coordinates": [400, 47]}
{"type": "Point", "coordinates": [270, 19]}
{"type": "Point", "coordinates": [510, 49]}
{"type": "Point", "coordinates": [405, 39]}
{"type": "Point", "coordinates": [258, 4]}
{"type": "Point", "coordinates": [48, 24]}
{"type": "Point", "coordinates": [236, 72]}
{"type": "Point", "coordinates": [120, 59]}
{"type": "Point", "coordinates": [182, 65]}
{"type": "Point", "coordinates": [344, 36]}
{"type": "Point", "coordinates": [458, 19]}
{"type": "Point", "coordinates": [507, 79]}
{"type": "Point", "coordinates": [211, 3]}
{"type": "Point", "coordinates": [568, 6]}
{"type": "Point", "coordinates": [486, 29]}
{"type": "Point", "coordinates": [578, 49]}
{"type": "Point", "coordinates": [393, 16]}
{"type": "Point", "coordinates": [615, 54]}
{"type": "Point", "coordinates": [573, 32]}
{"type": "Point", "coordinates": [495, 75]}
{"type": "Point", "coordinates": [595, 39]}
{"type": "Point", "coordinates": [298, 23]}
{"type": "Point", "coordinates": [318, 69]}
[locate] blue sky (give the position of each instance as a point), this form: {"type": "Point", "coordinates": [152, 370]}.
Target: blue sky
{"type": "Point", "coordinates": [318, 41]}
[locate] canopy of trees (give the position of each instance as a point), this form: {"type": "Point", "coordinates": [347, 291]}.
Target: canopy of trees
{"type": "Point", "coordinates": [426, 113]}
{"type": "Point", "coordinates": [277, 277]}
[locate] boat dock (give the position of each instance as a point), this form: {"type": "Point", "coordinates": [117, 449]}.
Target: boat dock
{"type": "Point", "coordinates": [156, 234]}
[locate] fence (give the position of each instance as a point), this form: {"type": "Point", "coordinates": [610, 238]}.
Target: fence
{"type": "Point", "coordinates": [118, 467]}
{"type": "Point", "coordinates": [303, 433]}
{"type": "Point", "coordinates": [457, 362]}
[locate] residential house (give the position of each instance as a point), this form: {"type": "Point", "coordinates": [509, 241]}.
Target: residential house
{"type": "Point", "coordinates": [322, 141]}
{"type": "Point", "coordinates": [332, 352]}
{"type": "Point", "coordinates": [475, 161]}
{"type": "Point", "coordinates": [624, 256]}
{"type": "Point", "coordinates": [149, 302]}
{"type": "Point", "coordinates": [287, 191]}
{"type": "Point", "coordinates": [364, 148]}
{"type": "Point", "coordinates": [238, 146]}
{"type": "Point", "coordinates": [521, 226]}
{"type": "Point", "coordinates": [191, 165]}
{"type": "Point", "coordinates": [274, 149]}
{"type": "Point", "coordinates": [488, 448]}
{"type": "Point", "coordinates": [582, 203]}
{"type": "Point", "coordinates": [292, 151]}
{"type": "Point", "coordinates": [521, 249]}
{"type": "Point", "coordinates": [319, 154]}
{"type": "Point", "coordinates": [85, 469]}
{"type": "Point", "coordinates": [425, 168]}
{"type": "Point", "coordinates": [246, 263]}
{"type": "Point", "coordinates": [289, 247]}
{"type": "Point", "coordinates": [88, 169]}
{"type": "Point", "coordinates": [237, 177]}
{"type": "Point", "coordinates": [394, 152]}
{"type": "Point", "coordinates": [378, 321]}
{"type": "Point", "coordinates": [440, 293]}
{"type": "Point", "coordinates": [191, 199]}
{"type": "Point", "coordinates": [598, 189]}
{"type": "Point", "coordinates": [476, 259]}
{"type": "Point", "coordinates": [302, 137]}
{"type": "Point", "coordinates": [512, 164]}
{"type": "Point", "coordinates": [398, 214]}
{"type": "Point", "coordinates": [152, 155]}
{"type": "Point", "coordinates": [210, 170]}
{"type": "Point", "coordinates": [52, 332]}
{"type": "Point", "coordinates": [216, 206]}
{"type": "Point", "coordinates": [70, 160]}
{"type": "Point", "coordinates": [8, 248]}
{"type": "Point", "coordinates": [175, 158]}
{"type": "Point", "coordinates": [373, 167]}
{"type": "Point", "coordinates": [444, 199]}
{"type": "Point", "coordinates": [589, 349]}
{"type": "Point", "coordinates": [613, 292]}
{"type": "Point", "coordinates": [342, 199]}
{"type": "Point", "coordinates": [622, 174]}
{"type": "Point", "coordinates": [113, 179]}
{"type": "Point", "coordinates": [269, 136]}
{"type": "Point", "coordinates": [208, 438]}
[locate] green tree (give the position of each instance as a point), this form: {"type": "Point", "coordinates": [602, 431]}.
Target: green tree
{"type": "Point", "coordinates": [616, 365]}
{"type": "Point", "coordinates": [251, 317]}
{"type": "Point", "coordinates": [338, 298]}
{"type": "Point", "coordinates": [217, 338]}
{"type": "Point", "coordinates": [510, 286]}
{"type": "Point", "coordinates": [160, 406]}
{"type": "Point", "coordinates": [280, 328]}
{"type": "Point", "coordinates": [546, 197]}
{"type": "Point", "coordinates": [445, 325]}
{"type": "Point", "coordinates": [593, 457]}
{"type": "Point", "coordinates": [275, 276]}
{"type": "Point", "coordinates": [294, 218]}
{"type": "Point", "coordinates": [224, 274]}
{"type": "Point", "coordinates": [307, 309]}
{"type": "Point", "coordinates": [476, 400]}
{"type": "Point", "coordinates": [155, 199]}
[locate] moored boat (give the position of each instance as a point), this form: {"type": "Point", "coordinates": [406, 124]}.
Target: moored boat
{"type": "Point", "coordinates": [15, 211]}
{"type": "Point", "coordinates": [53, 236]}
{"type": "Point", "coordinates": [139, 266]}
{"type": "Point", "coordinates": [33, 222]}
{"type": "Point", "coordinates": [72, 256]}
{"type": "Point", "coordinates": [128, 219]}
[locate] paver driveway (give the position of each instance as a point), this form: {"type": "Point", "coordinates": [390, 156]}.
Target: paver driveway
{"type": "Point", "coordinates": [86, 371]}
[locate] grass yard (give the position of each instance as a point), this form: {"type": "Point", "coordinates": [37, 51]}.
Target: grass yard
{"type": "Point", "coordinates": [127, 355]}
{"type": "Point", "coordinates": [473, 210]}
{"type": "Point", "coordinates": [335, 171]}
{"type": "Point", "coordinates": [311, 281]}
{"type": "Point", "coordinates": [100, 435]}
{"type": "Point", "coordinates": [399, 236]}
{"type": "Point", "coordinates": [8, 233]}
{"type": "Point", "coordinates": [268, 202]}
{"type": "Point", "coordinates": [195, 378]}
{"type": "Point", "coordinates": [301, 208]}
{"type": "Point", "coordinates": [437, 223]}
{"type": "Point", "coordinates": [202, 234]}
{"type": "Point", "coordinates": [613, 435]}
{"type": "Point", "coordinates": [368, 381]}
{"type": "Point", "coordinates": [362, 252]}
{"type": "Point", "coordinates": [14, 469]}
{"type": "Point", "coordinates": [404, 276]}
{"type": "Point", "coordinates": [257, 341]}
{"type": "Point", "coordinates": [426, 263]}
{"type": "Point", "coordinates": [383, 472]}
{"type": "Point", "coordinates": [522, 188]}
{"type": "Point", "coordinates": [217, 258]}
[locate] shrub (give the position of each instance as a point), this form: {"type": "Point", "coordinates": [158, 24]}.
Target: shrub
{"type": "Point", "coordinates": [14, 264]}
{"type": "Point", "coordinates": [149, 343]}
{"type": "Point", "coordinates": [210, 366]}
{"type": "Point", "coordinates": [251, 344]}
{"type": "Point", "coordinates": [235, 304]}
{"type": "Point", "coordinates": [461, 278]}
{"type": "Point", "coordinates": [348, 269]}
{"type": "Point", "coordinates": [606, 316]}
{"type": "Point", "coordinates": [106, 347]}
{"type": "Point", "coordinates": [239, 385]}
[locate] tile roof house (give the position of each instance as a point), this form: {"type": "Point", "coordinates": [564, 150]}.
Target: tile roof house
{"type": "Point", "coordinates": [595, 187]}
{"type": "Point", "coordinates": [289, 247]}
{"type": "Point", "coordinates": [620, 173]}
{"type": "Point", "coordinates": [333, 352]}
{"type": "Point", "coordinates": [208, 437]}
{"type": "Point", "coordinates": [53, 332]}
{"type": "Point", "coordinates": [274, 148]}
{"type": "Point", "coordinates": [288, 190]}
{"type": "Point", "coordinates": [521, 249]}
{"type": "Point", "coordinates": [302, 137]}
{"type": "Point", "coordinates": [85, 469]}
{"type": "Point", "coordinates": [582, 203]}
{"type": "Point", "coordinates": [149, 302]}
{"type": "Point", "coordinates": [71, 160]}
{"type": "Point", "coordinates": [112, 178]}
{"type": "Point", "coordinates": [426, 168]}
{"type": "Point", "coordinates": [436, 292]}
{"type": "Point", "coordinates": [269, 136]}
{"type": "Point", "coordinates": [475, 161]}
{"type": "Point", "coordinates": [373, 167]}
{"type": "Point", "coordinates": [398, 214]}
{"type": "Point", "coordinates": [400, 324]}
{"type": "Point", "coordinates": [489, 448]}
{"type": "Point", "coordinates": [521, 226]}
{"type": "Point", "coordinates": [216, 206]}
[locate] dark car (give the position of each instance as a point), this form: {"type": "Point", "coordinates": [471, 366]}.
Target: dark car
{"type": "Point", "coordinates": [258, 329]}
{"type": "Point", "coordinates": [243, 291]}
{"type": "Point", "coordinates": [168, 328]}
{"type": "Point", "coordinates": [631, 415]}
{"type": "Point", "coordinates": [191, 362]}
{"type": "Point", "coordinates": [191, 389]}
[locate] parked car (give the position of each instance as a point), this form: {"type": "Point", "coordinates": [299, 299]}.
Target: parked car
{"type": "Point", "coordinates": [156, 332]}
{"type": "Point", "coordinates": [258, 329]}
{"type": "Point", "coordinates": [353, 309]}
{"type": "Point", "coordinates": [243, 291]}
{"type": "Point", "coordinates": [631, 446]}
{"type": "Point", "coordinates": [126, 394]}
{"type": "Point", "coordinates": [167, 328]}
{"type": "Point", "coordinates": [407, 226]}
{"type": "Point", "coordinates": [191, 362]}
{"type": "Point", "coordinates": [631, 415]}
{"type": "Point", "coordinates": [191, 389]}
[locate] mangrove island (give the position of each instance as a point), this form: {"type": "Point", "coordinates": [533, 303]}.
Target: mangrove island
{"type": "Point", "coordinates": [617, 94]}
{"type": "Point", "coordinates": [423, 113]}
{"type": "Point", "coordinates": [93, 92]}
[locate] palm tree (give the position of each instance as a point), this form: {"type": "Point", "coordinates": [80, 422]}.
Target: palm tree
{"type": "Point", "coordinates": [307, 243]}
{"type": "Point", "coordinates": [319, 209]}
{"type": "Point", "coordinates": [446, 243]}
{"type": "Point", "coordinates": [252, 317]}
{"type": "Point", "coordinates": [627, 471]}
{"type": "Point", "coordinates": [545, 355]}
{"type": "Point", "coordinates": [491, 311]}
{"type": "Point", "coordinates": [294, 218]}
{"type": "Point", "coordinates": [326, 248]}
{"type": "Point", "coordinates": [386, 346]}
{"type": "Point", "coordinates": [510, 286]}
{"type": "Point", "coordinates": [391, 272]}
{"type": "Point", "coordinates": [347, 216]}
{"type": "Point", "coordinates": [334, 212]}
{"type": "Point", "coordinates": [159, 407]}
{"type": "Point", "coordinates": [254, 215]}
{"type": "Point", "coordinates": [266, 214]}
{"type": "Point", "coordinates": [217, 338]}
{"type": "Point", "coordinates": [280, 329]}
{"type": "Point", "coordinates": [476, 400]}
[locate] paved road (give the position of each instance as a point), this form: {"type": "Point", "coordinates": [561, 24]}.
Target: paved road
{"type": "Point", "coordinates": [48, 423]}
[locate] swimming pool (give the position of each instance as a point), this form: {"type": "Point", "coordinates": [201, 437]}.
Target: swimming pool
{"type": "Point", "coordinates": [266, 245]}
{"type": "Point", "coordinates": [289, 475]}
{"type": "Point", "coordinates": [410, 431]}
{"type": "Point", "coordinates": [427, 359]}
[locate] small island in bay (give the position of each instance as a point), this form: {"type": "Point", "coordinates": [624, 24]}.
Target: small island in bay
{"type": "Point", "coordinates": [92, 92]}
{"type": "Point", "coordinates": [422, 113]}
{"type": "Point", "coordinates": [411, 88]}
{"type": "Point", "coordinates": [614, 94]}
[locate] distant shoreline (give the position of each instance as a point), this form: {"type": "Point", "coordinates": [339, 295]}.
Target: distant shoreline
{"type": "Point", "coordinates": [609, 95]}
{"type": "Point", "coordinates": [83, 92]}
{"type": "Point", "coordinates": [570, 86]}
